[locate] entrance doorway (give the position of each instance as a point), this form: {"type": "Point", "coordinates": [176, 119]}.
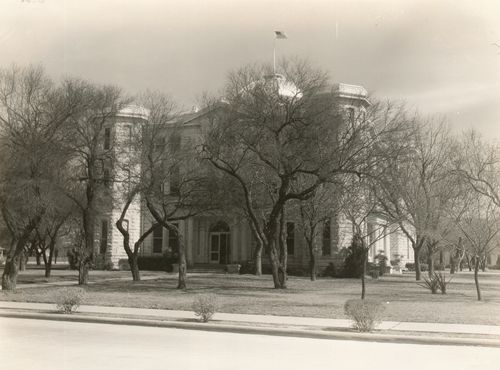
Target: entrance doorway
{"type": "Point", "coordinates": [220, 243]}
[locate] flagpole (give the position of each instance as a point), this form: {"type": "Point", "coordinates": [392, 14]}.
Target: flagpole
{"type": "Point", "coordinates": [274, 55]}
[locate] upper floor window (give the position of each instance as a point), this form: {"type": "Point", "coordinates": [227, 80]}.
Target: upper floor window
{"type": "Point", "coordinates": [175, 180]}
{"type": "Point", "coordinates": [350, 114]}
{"type": "Point", "coordinates": [175, 143]}
{"type": "Point", "coordinates": [107, 138]}
{"type": "Point", "coordinates": [160, 144]}
{"type": "Point", "coordinates": [290, 238]}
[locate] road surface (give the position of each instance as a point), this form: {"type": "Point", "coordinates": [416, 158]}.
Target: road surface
{"type": "Point", "coordinates": [40, 344]}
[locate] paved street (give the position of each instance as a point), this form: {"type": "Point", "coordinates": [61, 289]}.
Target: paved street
{"type": "Point", "coordinates": [40, 344]}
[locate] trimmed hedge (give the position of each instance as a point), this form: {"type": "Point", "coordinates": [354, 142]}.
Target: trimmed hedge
{"type": "Point", "coordinates": [150, 263]}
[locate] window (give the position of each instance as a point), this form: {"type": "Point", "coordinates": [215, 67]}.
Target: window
{"type": "Point", "coordinates": [104, 236]}
{"type": "Point", "coordinates": [175, 143]}
{"type": "Point", "coordinates": [175, 180]}
{"type": "Point", "coordinates": [107, 138]}
{"type": "Point", "coordinates": [327, 238]}
{"type": "Point", "coordinates": [290, 237]}
{"type": "Point", "coordinates": [127, 179]}
{"type": "Point", "coordinates": [160, 145]}
{"type": "Point", "coordinates": [173, 240]}
{"type": "Point", "coordinates": [371, 238]}
{"type": "Point", "coordinates": [157, 238]}
{"type": "Point", "coordinates": [350, 115]}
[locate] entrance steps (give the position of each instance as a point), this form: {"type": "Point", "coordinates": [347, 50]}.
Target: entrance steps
{"type": "Point", "coordinates": [205, 268]}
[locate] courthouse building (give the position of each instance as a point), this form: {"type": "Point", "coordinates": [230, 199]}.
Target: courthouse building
{"type": "Point", "coordinates": [221, 240]}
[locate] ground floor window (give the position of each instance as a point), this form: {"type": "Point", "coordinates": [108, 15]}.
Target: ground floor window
{"type": "Point", "coordinates": [327, 238]}
{"type": "Point", "coordinates": [173, 240]}
{"type": "Point", "coordinates": [104, 237]}
{"type": "Point", "coordinates": [290, 238]}
{"type": "Point", "coordinates": [157, 238]}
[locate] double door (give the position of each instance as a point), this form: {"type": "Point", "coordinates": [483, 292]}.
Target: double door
{"type": "Point", "coordinates": [219, 247]}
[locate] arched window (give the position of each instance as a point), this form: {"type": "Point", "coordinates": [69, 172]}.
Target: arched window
{"type": "Point", "coordinates": [219, 227]}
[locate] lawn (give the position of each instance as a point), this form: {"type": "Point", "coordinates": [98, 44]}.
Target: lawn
{"type": "Point", "coordinates": [405, 300]}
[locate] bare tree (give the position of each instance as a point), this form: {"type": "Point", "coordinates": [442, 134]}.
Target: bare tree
{"type": "Point", "coordinates": [164, 173]}
{"type": "Point", "coordinates": [479, 223]}
{"type": "Point", "coordinates": [315, 215]}
{"type": "Point", "coordinates": [92, 157]}
{"type": "Point", "coordinates": [361, 209]}
{"type": "Point", "coordinates": [418, 187]}
{"type": "Point", "coordinates": [477, 162]}
{"type": "Point", "coordinates": [33, 115]}
{"type": "Point", "coordinates": [279, 138]}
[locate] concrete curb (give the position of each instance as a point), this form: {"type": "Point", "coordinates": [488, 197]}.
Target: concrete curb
{"type": "Point", "coordinates": [287, 332]}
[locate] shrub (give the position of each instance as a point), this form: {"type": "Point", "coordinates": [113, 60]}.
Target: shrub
{"type": "Point", "coordinates": [441, 281]}
{"type": "Point", "coordinates": [205, 306]}
{"type": "Point", "coordinates": [123, 264]}
{"type": "Point", "coordinates": [160, 263]}
{"type": "Point", "coordinates": [108, 266]}
{"type": "Point", "coordinates": [365, 314]}
{"type": "Point", "coordinates": [430, 283]}
{"type": "Point", "coordinates": [353, 263]}
{"type": "Point", "coordinates": [410, 266]}
{"type": "Point", "coordinates": [374, 274]}
{"type": "Point", "coordinates": [73, 258]}
{"type": "Point", "coordinates": [439, 267]}
{"type": "Point", "coordinates": [69, 299]}
{"type": "Point", "coordinates": [330, 270]}
{"type": "Point", "coordinates": [247, 267]}
{"type": "Point", "coordinates": [381, 263]}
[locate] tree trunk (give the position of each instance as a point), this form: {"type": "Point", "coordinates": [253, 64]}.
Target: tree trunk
{"type": "Point", "coordinates": [23, 261]}
{"type": "Point", "coordinates": [38, 256]}
{"type": "Point", "coordinates": [363, 273]}
{"type": "Point", "coordinates": [10, 272]}
{"type": "Point", "coordinates": [83, 272]}
{"type": "Point", "coordinates": [87, 254]}
{"type": "Point", "coordinates": [416, 256]}
{"type": "Point", "coordinates": [430, 262]}
{"type": "Point", "coordinates": [313, 267]}
{"type": "Point", "coordinates": [469, 264]}
{"type": "Point", "coordinates": [453, 262]}
{"type": "Point", "coordinates": [48, 262]}
{"type": "Point", "coordinates": [134, 266]}
{"type": "Point", "coordinates": [476, 278]}
{"type": "Point", "coordinates": [16, 251]}
{"type": "Point", "coordinates": [258, 259]}
{"type": "Point", "coordinates": [182, 262]}
{"type": "Point", "coordinates": [279, 274]}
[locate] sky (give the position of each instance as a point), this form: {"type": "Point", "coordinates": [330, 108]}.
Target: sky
{"type": "Point", "coordinates": [438, 56]}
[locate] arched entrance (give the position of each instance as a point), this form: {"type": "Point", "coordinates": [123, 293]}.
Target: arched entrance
{"type": "Point", "coordinates": [220, 243]}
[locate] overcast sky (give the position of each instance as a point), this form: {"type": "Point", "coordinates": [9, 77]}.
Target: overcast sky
{"type": "Point", "coordinates": [437, 55]}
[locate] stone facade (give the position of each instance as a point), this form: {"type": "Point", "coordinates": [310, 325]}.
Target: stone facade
{"type": "Point", "coordinates": [213, 239]}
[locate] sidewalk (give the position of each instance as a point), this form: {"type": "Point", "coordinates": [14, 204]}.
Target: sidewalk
{"type": "Point", "coordinates": [429, 333]}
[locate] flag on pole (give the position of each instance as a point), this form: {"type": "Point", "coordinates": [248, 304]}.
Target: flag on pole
{"type": "Point", "coordinates": [280, 35]}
